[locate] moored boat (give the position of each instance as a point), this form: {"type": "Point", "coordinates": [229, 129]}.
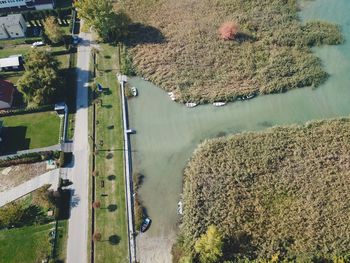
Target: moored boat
{"type": "Point", "coordinates": [145, 224]}
{"type": "Point", "coordinates": [134, 91]}
{"type": "Point", "coordinates": [219, 104]}
{"type": "Point", "coordinates": [179, 208]}
{"type": "Point", "coordinates": [172, 96]}
{"type": "Point", "coordinates": [191, 104]}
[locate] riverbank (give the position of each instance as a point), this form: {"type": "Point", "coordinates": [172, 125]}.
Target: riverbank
{"type": "Point", "coordinates": [110, 216]}
{"type": "Point", "coordinates": [177, 47]}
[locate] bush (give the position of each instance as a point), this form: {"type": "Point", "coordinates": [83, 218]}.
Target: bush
{"type": "Point", "coordinates": [228, 31]}
{"type": "Point", "coordinates": [11, 112]}
{"type": "Point", "coordinates": [28, 158]}
{"type": "Point", "coordinates": [62, 160]}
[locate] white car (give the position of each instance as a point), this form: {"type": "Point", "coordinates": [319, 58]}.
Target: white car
{"type": "Point", "coordinates": [38, 44]}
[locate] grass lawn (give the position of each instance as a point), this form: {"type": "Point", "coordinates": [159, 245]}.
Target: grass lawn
{"type": "Point", "coordinates": [25, 245]}
{"type": "Point", "coordinates": [29, 131]}
{"type": "Point", "coordinates": [111, 217]}
{"type": "Point", "coordinates": [61, 245]}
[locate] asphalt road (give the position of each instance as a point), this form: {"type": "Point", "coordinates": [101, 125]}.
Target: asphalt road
{"type": "Point", "coordinates": [79, 173]}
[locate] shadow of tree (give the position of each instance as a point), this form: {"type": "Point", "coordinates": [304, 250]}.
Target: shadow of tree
{"type": "Point", "coordinates": [111, 177]}
{"type": "Point", "coordinates": [112, 208]}
{"type": "Point", "coordinates": [243, 37]}
{"type": "Point", "coordinates": [114, 240]}
{"type": "Point", "coordinates": [143, 34]}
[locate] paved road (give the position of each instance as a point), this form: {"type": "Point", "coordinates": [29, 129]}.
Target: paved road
{"type": "Point", "coordinates": [14, 193]}
{"type": "Point", "coordinates": [79, 174]}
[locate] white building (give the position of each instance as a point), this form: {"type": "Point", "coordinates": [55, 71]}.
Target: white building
{"type": "Point", "coordinates": [12, 26]}
{"type": "Point", "coordinates": [20, 5]}
{"type": "Point", "coordinates": [14, 62]}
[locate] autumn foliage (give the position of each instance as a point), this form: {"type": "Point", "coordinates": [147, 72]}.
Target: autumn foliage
{"type": "Point", "coordinates": [228, 30]}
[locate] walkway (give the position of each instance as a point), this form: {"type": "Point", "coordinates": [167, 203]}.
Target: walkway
{"type": "Point", "coordinates": [14, 193]}
{"type": "Point", "coordinates": [128, 177]}
{"type": "Point", "coordinates": [79, 173]}
{"type": "Point", "coordinates": [56, 147]}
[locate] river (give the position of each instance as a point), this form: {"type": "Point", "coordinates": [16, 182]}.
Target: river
{"type": "Point", "coordinates": [168, 133]}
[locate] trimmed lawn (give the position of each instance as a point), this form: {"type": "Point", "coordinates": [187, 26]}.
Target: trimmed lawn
{"type": "Point", "coordinates": [29, 131]}
{"type": "Point", "coordinates": [27, 244]}
{"type": "Point", "coordinates": [111, 217]}
{"type": "Point", "coordinates": [61, 245]}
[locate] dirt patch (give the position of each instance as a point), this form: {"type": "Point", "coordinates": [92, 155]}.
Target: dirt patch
{"type": "Point", "coordinates": [152, 249]}
{"type": "Point", "coordinates": [15, 175]}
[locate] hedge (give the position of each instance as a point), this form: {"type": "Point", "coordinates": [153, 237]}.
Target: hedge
{"type": "Point", "coordinates": [29, 158]}
{"type": "Point", "coordinates": [11, 112]}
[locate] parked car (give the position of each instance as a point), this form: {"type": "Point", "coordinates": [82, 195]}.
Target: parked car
{"type": "Point", "coordinates": [38, 44]}
{"type": "Point", "coordinates": [76, 40]}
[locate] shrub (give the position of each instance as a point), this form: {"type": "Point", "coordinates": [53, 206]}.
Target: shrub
{"type": "Point", "coordinates": [228, 31]}
{"type": "Point", "coordinates": [28, 158]}
{"type": "Point", "coordinates": [62, 159]}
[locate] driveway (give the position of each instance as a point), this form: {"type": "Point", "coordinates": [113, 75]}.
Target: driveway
{"type": "Point", "coordinates": [14, 193]}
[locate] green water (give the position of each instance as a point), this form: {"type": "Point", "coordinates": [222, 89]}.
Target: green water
{"type": "Point", "coordinates": [168, 133]}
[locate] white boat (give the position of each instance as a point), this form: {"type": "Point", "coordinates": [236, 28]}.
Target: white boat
{"type": "Point", "coordinates": [191, 104]}
{"type": "Point", "coordinates": [219, 104]}
{"type": "Point", "coordinates": [179, 208]}
{"type": "Point", "coordinates": [134, 91]}
{"type": "Point", "coordinates": [248, 97]}
{"type": "Point", "coordinates": [172, 96]}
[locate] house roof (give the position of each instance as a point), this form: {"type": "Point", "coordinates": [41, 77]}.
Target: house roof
{"type": "Point", "coordinates": [12, 19]}
{"type": "Point", "coordinates": [6, 91]}
{"type": "Point", "coordinates": [10, 62]}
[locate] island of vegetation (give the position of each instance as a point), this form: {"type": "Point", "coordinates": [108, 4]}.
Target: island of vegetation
{"type": "Point", "coordinates": [272, 196]}
{"type": "Point", "coordinates": [188, 47]}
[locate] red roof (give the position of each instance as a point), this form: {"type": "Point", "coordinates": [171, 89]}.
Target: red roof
{"type": "Point", "coordinates": [6, 91]}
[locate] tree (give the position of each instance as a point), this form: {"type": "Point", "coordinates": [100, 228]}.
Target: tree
{"type": "Point", "coordinates": [96, 236]}
{"type": "Point", "coordinates": [11, 214]}
{"type": "Point", "coordinates": [96, 204]}
{"type": "Point", "coordinates": [53, 30]}
{"type": "Point", "coordinates": [209, 245]}
{"type": "Point", "coordinates": [228, 30]}
{"type": "Point", "coordinates": [41, 81]}
{"type": "Point", "coordinates": [99, 15]}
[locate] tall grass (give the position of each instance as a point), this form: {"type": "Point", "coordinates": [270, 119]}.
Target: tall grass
{"type": "Point", "coordinates": [270, 54]}
{"type": "Point", "coordinates": [282, 192]}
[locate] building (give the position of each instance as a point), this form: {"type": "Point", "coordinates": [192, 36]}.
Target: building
{"type": "Point", "coordinates": [14, 62]}
{"type": "Point", "coordinates": [12, 26]}
{"type": "Point", "coordinates": [7, 6]}
{"type": "Point", "coordinates": [7, 89]}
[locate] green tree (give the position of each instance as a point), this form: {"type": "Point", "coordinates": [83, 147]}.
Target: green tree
{"type": "Point", "coordinates": [41, 81]}
{"type": "Point", "coordinates": [100, 15]}
{"type": "Point", "coordinates": [209, 245]}
{"type": "Point", "coordinates": [53, 30]}
{"type": "Point", "coordinates": [11, 214]}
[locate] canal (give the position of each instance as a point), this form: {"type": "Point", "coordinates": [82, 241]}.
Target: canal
{"type": "Point", "coordinates": [168, 133]}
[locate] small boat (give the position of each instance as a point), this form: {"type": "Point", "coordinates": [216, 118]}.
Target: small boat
{"type": "Point", "coordinates": [219, 104]}
{"type": "Point", "coordinates": [172, 96]}
{"type": "Point", "coordinates": [179, 208]}
{"type": "Point", "coordinates": [134, 91]}
{"type": "Point", "coordinates": [191, 104]}
{"type": "Point", "coordinates": [248, 97]}
{"type": "Point", "coordinates": [145, 224]}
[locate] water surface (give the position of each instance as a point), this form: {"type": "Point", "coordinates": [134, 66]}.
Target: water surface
{"type": "Point", "coordinates": [168, 133]}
